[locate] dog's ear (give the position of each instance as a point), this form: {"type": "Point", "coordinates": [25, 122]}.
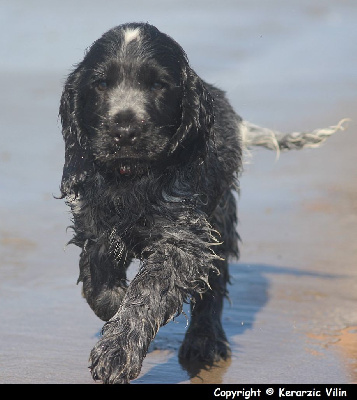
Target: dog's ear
{"type": "Point", "coordinates": [77, 162]}
{"type": "Point", "coordinates": [197, 116]}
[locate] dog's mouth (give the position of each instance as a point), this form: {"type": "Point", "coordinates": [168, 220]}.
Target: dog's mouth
{"type": "Point", "coordinates": [127, 161]}
{"type": "Point", "coordinates": [133, 168]}
{"type": "Point", "coordinates": [124, 167]}
{"type": "Point", "coordinates": [136, 160]}
{"type": "Point", "coordinates": [125, 170]}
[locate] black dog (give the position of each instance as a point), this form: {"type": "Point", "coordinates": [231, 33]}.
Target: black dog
{"type": "Point", "coordinates": [152, 158]}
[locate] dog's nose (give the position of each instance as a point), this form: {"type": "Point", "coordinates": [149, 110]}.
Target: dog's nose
{"type": "Point", "coordinates": [124, 135]}
{"type": "Point", "coordinates": [124, 127]}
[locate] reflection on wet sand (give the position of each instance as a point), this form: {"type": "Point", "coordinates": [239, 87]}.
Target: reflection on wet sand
{"type": "Point", "coordinates": [213, 374]}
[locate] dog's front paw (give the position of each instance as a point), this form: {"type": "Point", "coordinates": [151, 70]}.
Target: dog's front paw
{"type": "Point", "coordinates": [110, 362]}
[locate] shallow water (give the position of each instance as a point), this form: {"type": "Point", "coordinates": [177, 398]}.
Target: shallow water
{"type": "Point", "coordinates": [292, 316]}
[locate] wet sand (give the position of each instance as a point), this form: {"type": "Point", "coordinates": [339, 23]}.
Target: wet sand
{"type": "Point", "coordinates": [292, 315]}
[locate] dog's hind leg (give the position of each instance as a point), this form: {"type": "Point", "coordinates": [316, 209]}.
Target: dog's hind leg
{"type": "Point", "coordinates": [205, 341]}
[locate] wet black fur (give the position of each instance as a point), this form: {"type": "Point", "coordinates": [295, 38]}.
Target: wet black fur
{"type": "Point", "coordinates": [152, 156]}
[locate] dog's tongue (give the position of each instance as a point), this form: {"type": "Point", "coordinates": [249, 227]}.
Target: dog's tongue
{"type": "Point", "coordinates": [124, 170]}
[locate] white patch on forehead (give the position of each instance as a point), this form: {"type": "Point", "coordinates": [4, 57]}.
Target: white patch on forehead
{"type": "Point", "coordinates": [131, 34]}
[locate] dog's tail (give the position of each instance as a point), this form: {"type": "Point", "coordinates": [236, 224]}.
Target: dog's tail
{"type": "Point", "coordinates": [254, 135]}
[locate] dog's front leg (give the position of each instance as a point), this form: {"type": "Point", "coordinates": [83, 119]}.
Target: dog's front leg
{"type": "Point", "coordinates": [173, 270]}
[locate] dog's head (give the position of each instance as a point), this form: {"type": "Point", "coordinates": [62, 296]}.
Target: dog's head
{"type": "Point", "coordinates": [133, 101]}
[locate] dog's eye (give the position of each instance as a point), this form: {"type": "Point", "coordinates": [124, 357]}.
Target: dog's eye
{"type": "Point", "coordinates": [156, 86]}
{"type": "Point", "coordinates": [102, 86]}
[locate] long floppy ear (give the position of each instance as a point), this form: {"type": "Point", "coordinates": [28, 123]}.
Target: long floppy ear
{"type": "Point", "coordinates": [77, 160]}
{"type": "Point", "coordinates": [197, 116]}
